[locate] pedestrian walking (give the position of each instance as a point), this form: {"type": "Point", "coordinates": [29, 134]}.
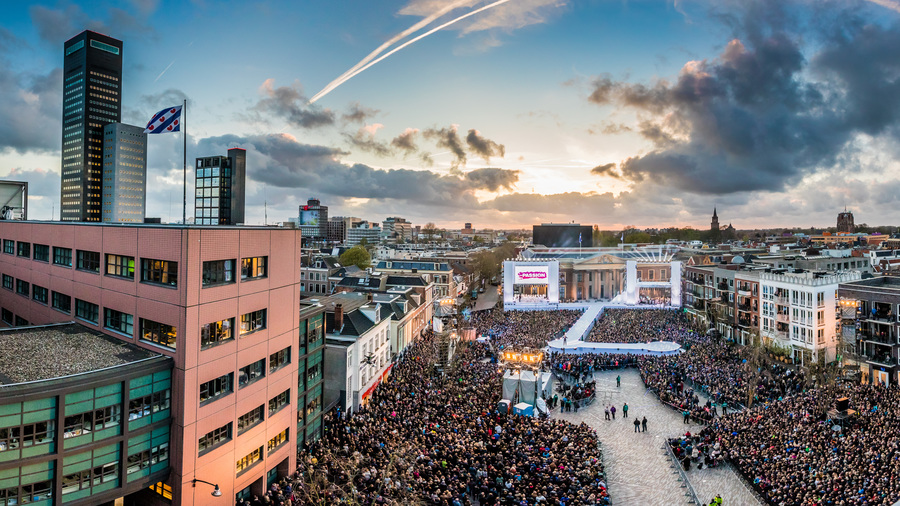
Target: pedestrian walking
{"type": "Point", "coordinates": [637, 425]}
{"type": "Point", "coordinates": [687, 415]}
{"type": "Point", "coordinates": [625, 410]}
{"type": "Point", "coordinates": [612, 410]}
{"type": "Point", "coordinates": [606, 412]}
{"type": "Point", "coordinates": [643, 424]}
{"type": "Point", "coordinates": [576, 406]}
{"type": "Point", "coordinates": [618, 381]}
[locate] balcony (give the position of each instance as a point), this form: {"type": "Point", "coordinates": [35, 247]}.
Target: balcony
{"type": "Point", "coordinates": [743, 293]}
{"type": "Point", "coordinates": [744, 307]}
{"type": "Point", "coordinates": [782, 301]}
{"type": "Point", "coordinates": [883, 359]}
{"type": "Point", "coordinates": [876, 338]}
{"type": "Point", "coordinates": [743, 322]}
{"type": "Point", "coordinates": [722, 286]}
{"type": "Point", "coordinates": [783, 318]}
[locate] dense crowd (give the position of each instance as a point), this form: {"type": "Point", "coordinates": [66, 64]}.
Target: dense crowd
{"type": "Point", "coordinates": [524, 329]}
{"type": "Point", "coordinates": [791, 453]}
{"type": "Point", "coordinates": [639, 326]}
{"type": "Point", "coordinates": [426, 438]}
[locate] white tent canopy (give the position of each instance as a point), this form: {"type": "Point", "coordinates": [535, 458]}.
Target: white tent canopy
{"type": "Point", "coordinates": [524, 383]}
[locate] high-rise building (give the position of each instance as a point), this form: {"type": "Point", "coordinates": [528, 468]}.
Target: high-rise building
{"type": "Point", "coordinates": [337, 228]}
{"type": "Point", "coordinates": [396, 229]}
{"type": "Point", "coordinates": [124, 173]}
{"type": "Point", "coordinates": [314, 220]}
{"type": "Point", "coordinates": [371, 232]}
{"type": "Point", "coordinates": [92, 91]}
{"type": "Point", "coordinates": [219, 189]}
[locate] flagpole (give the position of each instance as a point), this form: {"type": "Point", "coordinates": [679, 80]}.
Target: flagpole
{"type": "Point", "coordinates": [184, 151]}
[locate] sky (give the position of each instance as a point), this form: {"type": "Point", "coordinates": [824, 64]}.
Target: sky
{"type": "Point", "coordinates": [609, 112]}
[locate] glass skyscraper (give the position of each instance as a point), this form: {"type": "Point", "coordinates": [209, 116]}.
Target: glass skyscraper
{"type": "Point", "coordinates": [92, 91]}
{"type": "Point", "coordinates": [219, 189]}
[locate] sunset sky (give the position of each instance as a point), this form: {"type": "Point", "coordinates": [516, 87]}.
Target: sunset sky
{"type": "Point", "coordinates": [608, 112]}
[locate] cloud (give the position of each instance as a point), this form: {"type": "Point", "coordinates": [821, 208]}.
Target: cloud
{"type": "Point", "coordinates": [56, 26]}
{"type": "Point", "coordinates": [608, 169]}
{"type": "Point", "coordinates": [364, 139]}
{"type": "Point", "coordinates": [507, 17]}
{"type": "Point", "coordinates": [281, 161]}
{"type": "Point", "coordinates": [761, 116]}
{"type": "Point", "coordinates": [448, 138]}
{"type": "Point", "coordinates": [483, 147]}
{"type": "Point", "coordinates": [41, 182]}
{"type": "Point", "coordinates": [406, 141]}
{"type": "Point", "coordinates": [30, 117]}
{"type": "Point", "coordinates": [358, 113]}
{"type": "Point", "coordinates": [288, 102]}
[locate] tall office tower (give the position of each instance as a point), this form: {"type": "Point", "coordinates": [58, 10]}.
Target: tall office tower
{"type": "Point", "coordinates": [124, 173]}
{"type": "Point", "coordinates": [219, 193]}
{"type": "Point", "coordinates": [92, 91]}
{"type": "Point", "coordinates": [314, 220]}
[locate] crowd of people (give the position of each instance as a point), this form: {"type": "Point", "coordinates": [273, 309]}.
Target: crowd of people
{"type": "Point", "coordinates": [792, 453]}
{"type": "Point", "coordinates": [523, 329]}
{"type": "Point", "coordinates": [427, 438]}
{"type": "Point", "coordinates": [639, 326]}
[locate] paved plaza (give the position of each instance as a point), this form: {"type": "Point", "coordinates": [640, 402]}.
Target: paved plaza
{"type": "Point", "coordinates": [638, 469]}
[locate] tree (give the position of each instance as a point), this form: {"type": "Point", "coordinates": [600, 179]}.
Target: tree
{"type": "Point", "coordinates": [429, 231]}
{"type": "Point", "coordinates": [358, 256]}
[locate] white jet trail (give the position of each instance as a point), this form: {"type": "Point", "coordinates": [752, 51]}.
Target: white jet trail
{"type": "Point", "coordinates": [888, 4]}
{"type": "Point", "coordinates": [350, 73]}
{"type": "Point", "coordinates": [414, 28]}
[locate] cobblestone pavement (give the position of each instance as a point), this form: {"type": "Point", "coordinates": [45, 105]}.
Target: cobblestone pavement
{"type": "Point", "coordinates": [639, 472]}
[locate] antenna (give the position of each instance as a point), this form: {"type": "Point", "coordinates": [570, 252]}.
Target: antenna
{"type": "Point", "coordinates": [265, 205]}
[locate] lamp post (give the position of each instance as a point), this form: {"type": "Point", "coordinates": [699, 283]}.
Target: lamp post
{"type": "Point", "coordinates": [215, 493]}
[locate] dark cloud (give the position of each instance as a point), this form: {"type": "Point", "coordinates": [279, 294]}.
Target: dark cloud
{"type": "Point", "coordinates": [483, 147]}
{"type": "Point", "coordinates": [364, 139]}
{"type": "Point", "coordinates": [448, 138]}
{"type": "Point", "coordinates": [56, 26]}
{"type": "Point", "coordinates": [281, 161]}
{"type": "Point", "coordinates": [288, 102]}
{"type": "Point", "coordinates": [358, 113]}
{"type": "Point", "coordinates": [41, 183]}
{"type": "Point", "coordinates": [140, 111]}
{"type": "Point", "coordinates": [754, 118]}
{"type": "Point", "coordinates": [608, 169]}
{"type": "Point", "coordinates": [30, 118]}
{"type": "Point", "coordinates": [406, 141]}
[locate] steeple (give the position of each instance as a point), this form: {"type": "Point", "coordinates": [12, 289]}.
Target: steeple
{"type": "Point", "coordinates": [714, 224]}
{"type": "Point", "coordinates": [714, 213]}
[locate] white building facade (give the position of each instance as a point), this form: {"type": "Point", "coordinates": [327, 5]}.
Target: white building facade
{"type": "Point", "coordinates": [798, 311]}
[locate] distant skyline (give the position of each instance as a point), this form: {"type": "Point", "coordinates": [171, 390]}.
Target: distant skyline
{"type": "Point", "coordinates": [615, 113]}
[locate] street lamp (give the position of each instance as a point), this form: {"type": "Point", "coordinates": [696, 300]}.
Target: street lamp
{"type": "Point", "coordinates": [215, 493]}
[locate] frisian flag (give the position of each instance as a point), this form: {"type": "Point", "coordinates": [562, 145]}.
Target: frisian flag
{"type": "Point", "coordinates": [166, 120]}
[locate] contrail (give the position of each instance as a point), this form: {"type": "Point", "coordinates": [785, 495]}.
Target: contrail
{"type": "Point", "coordinates": [350, 73]}
{"type": "Point", "coordinates": [164, 71]}
{"type": "Point", "coordinates": [414, 28]}
{"type": "Point", "coordinates": [888, 4]}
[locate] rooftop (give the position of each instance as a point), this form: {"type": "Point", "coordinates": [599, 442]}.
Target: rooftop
{"type": "Point", "coordinates": [151, 225]}
{"type": "Point", "coordinates": [52, 351]}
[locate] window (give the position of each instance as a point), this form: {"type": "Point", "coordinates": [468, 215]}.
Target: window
{"type": "Point", "coordinates": [62, 256]}
{"type": "Point", "coordinates": [218, 272]}
{"type": "Point", "coordinates": [87, 311]}
{"type": "Point", "coordinates": [120, 266]}
{"type": "Point", "coordinates": [214, 438]}
{"type": "Point", "coordinates": [20, 321]}
{"type": "Point", "coordinates": [277, 441]}
{"type": "Point", "coordinates": [42, 252]}
{"type": "Point", "coordinates": [23, 287]}
{"type": "Point", "coordinates": [279, 401]}
{"type": "Point", "coordinates": [118, 321]}
{"type": "Point", "coordinates": [162, 272]}
{"type": "Point", "coordinates": [251, 322]}
{"type": "Point", "coordinates": [254, 457]}
{"type": "Point", "coordinates": [83, 480]}
{"type": "Point", "coordinates": [9, 247]}
{"type": "Point", "coordinates": [250, 373]}
{"type": "Point", "coordinates": [147, 458]}
{"type": "Point", "coordinates": [279, 359]}
{"type": "Point", "coordinates": [27, 435]}
{"type": "Point", "coordinates": [88, 261]}
{"type": "Point", "coordinates": [158, 333]}
{"type": "Point", "coordinates": [7, 282]}
{"type": "Point", "coordinates": [213, 389]}
{"type": "Point", "coordinates": [39, 293]}
{"type": "Point", "coordinates": [250, 419]}
{"type": "Point", "coordinates": [6, 315]}
{"type": "Point", "coordinates": [23, 249]}
{"type": "Point", "coordinates": [254, 267]}
{"type": "Point", "coordinates": [62, 302]}
{"type": "Point", "coordinates": [149, 404]}
{"type": "Point", "coordinates": [84, 423]}
{"type": "Point", "coordinates": [216, 332]}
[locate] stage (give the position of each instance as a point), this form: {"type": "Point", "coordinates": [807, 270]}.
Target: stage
{"type": "Point", "coordinates": [574, 338]}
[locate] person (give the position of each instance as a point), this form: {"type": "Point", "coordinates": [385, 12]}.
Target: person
{"type": "Point", "coordinates": [625, 410]}
{"type": "Point", "coordinates": [618, 381]}
{"type": "Point", "coordinates": [612, 410]}
{"type": "Point", "coordinates": [637, 425]}
{"type": "Point", "coordinates": [606, 412]}
{"type": "Point", "coordinates": [686, 414]}
{"type": "Point", "coordinates": [644, 424]}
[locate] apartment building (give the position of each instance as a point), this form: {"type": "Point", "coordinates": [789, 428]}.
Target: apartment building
{"type": "Point", "coordinates": [222, 302]}
{"type": "Point", "coordinates": [870, 311]}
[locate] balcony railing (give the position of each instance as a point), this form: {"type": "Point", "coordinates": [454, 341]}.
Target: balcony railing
{"type": "Point", "coordinates": [743, 323]}
{"type": "Point", "coordinates": [744, 307]}
{"type": "Point", "coordinates": [784, 301]}
{"type": "Point", "coordinates": [876, 338]}
{"type": "Point", "coordinates": [881, 359]}
{"type": "Point", "coordinates": [744, 293]}
{"type": "Point", "coordinates": [723, 286]}
{"type": "Point", "coordinates": [783, 318]}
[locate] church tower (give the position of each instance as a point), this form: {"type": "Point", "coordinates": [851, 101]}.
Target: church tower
{"type": "Point", "coordinates": [714, 225]}
{"type": "Point", "coordinates": [845, 222]}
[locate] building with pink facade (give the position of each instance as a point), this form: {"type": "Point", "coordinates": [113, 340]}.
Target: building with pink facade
{"type": "Point", "coordinates": [222, 302]}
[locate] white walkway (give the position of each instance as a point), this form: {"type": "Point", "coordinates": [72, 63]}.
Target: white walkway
{"type": "Point", "coordinates": [574, 338]}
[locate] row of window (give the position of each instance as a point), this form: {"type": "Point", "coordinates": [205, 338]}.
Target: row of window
{"type": "Point", "coordinates": [163, 272]}
{"type": "Point", "coordinates": [224, 385]}
{"type": "Point", "coordinates": [222, 435]}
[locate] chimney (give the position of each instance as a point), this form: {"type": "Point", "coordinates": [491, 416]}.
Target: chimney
{"type": "Point", "coordinates": [338, 318]}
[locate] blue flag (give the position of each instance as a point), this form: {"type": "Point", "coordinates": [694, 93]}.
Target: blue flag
{"type": "Point", "coordinates": [166, 120]}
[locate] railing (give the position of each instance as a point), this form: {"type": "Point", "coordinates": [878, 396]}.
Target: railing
{"type": "Point", "coordinates": [881, 359]}
{"type": "Point", "coordinates": [783, 318]}
{"type": "Point", "coordinates": [744, 307]}
{"type": "Point", "coordinates": [685, 483]}
{"type": "Point", "coordinates": [865, 336]}
{"type": "Point", "coordinates": [784, 301]}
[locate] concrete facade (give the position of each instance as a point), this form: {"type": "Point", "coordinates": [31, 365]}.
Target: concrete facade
{"type": "Point", "coordinates": [124, 174]}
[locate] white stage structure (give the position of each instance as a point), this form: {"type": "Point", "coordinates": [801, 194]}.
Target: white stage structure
{"type": "Point", "coordinates": [530, 284]}
{"type": "Point", "coordinates": [633, 286]}
{"type": "Point", "coordinates": [524, 382]}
